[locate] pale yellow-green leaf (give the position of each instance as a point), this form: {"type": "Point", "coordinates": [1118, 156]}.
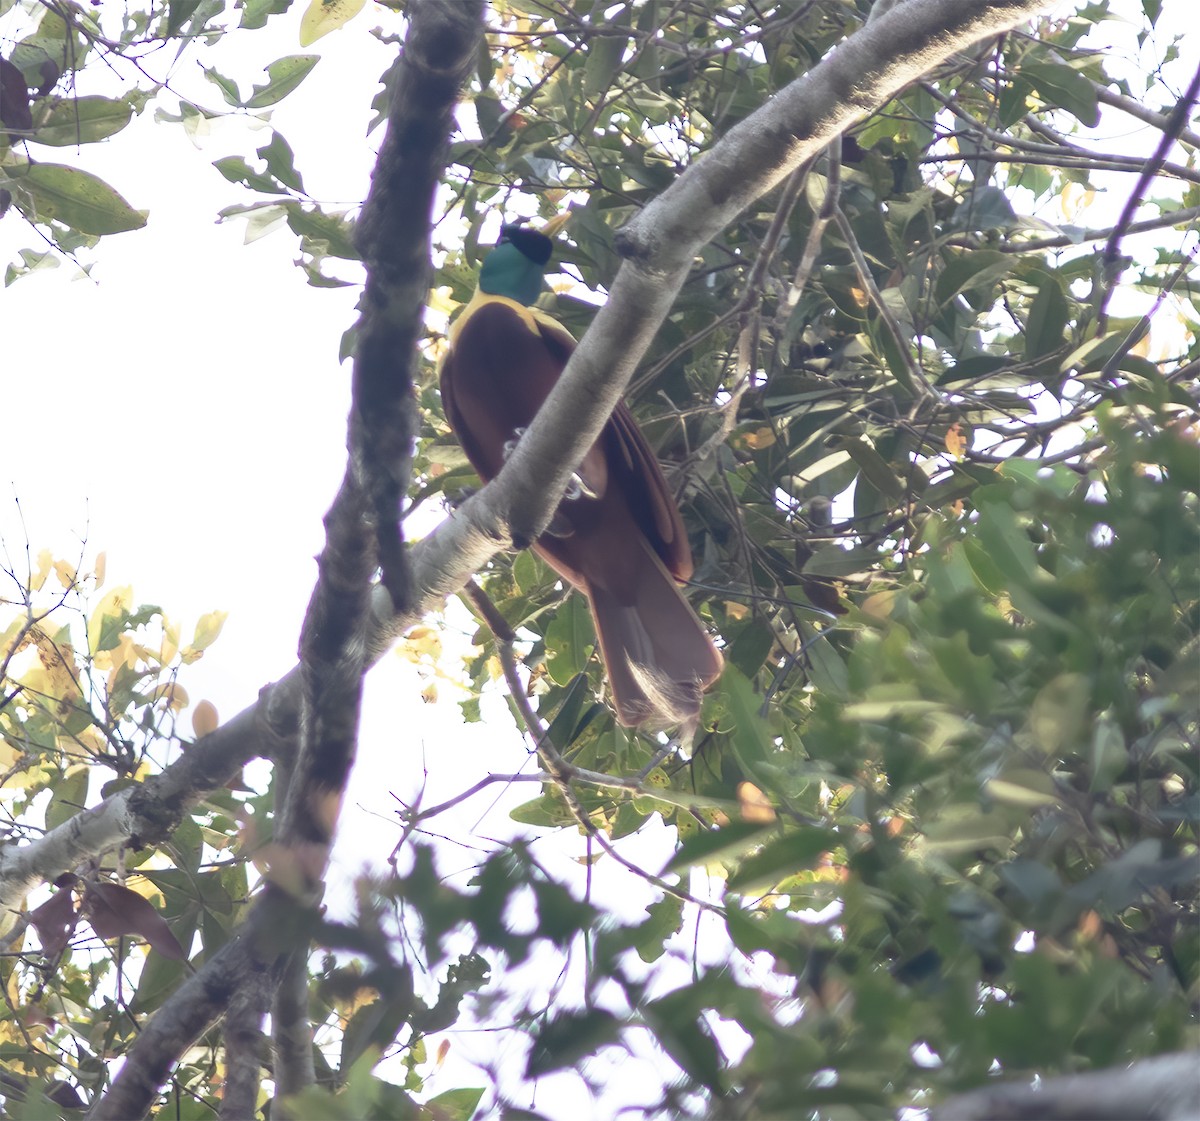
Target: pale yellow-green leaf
{"type": "Point", "coordinates": [205, 719]}
{"type": "Point", "coordinates": [45, 562]}
{"type": "Point", "coordinates": [75, 198]}
{"type": "Point", "coordinates": [324, 16]}
{"type": "Point", "coordinates": [208, 628]}
{"type": "Point", "coordinates": [1023, 786]}
{"type": "Point", "coordinates": [116, 602]}
{"type": "Point", "coordinates": [1059, 711]}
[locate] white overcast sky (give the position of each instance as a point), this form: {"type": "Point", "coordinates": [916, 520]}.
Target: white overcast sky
{"type": "Point", "coordinates": [184, 410]}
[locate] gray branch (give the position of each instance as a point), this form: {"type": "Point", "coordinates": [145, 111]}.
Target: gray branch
{"type": "Point", "coordinates": [1164, 1088]}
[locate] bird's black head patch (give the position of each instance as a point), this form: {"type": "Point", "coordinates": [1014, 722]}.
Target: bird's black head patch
{"type": "Point", "coordinates": [536, 246]}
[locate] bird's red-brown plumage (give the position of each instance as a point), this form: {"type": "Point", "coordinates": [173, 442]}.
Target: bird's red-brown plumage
{"type": "Point", "coordinates": [622, 542]}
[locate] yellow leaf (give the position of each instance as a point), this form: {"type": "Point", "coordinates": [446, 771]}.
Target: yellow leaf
{"type": "Point", "coordinates": [736, 611]}
{"type": "Point", "coordinates": [125, 653]}
{"type": "Point", "coordinates": [45, 560]}
{"type": "Point", "coordinates": [115, 603]}
{"type": "Point", "coordinates": [421, 644]}
{"type": "Point", "coordinates": [91, 742]}
{"type": "Point", "coordinates": [169, 646]}
{"type": "Point", "coordinates": [754, 804]}
{"type": "Point", "coordinates": [879, 605]}
{"type": "Point", "coordinates": [174, 694]}
{"type": "Point", "coordinates": [956, 443]}
{"type": "Point", "coordinates": [98, 571]}
{"type": "Point", "coordinates": [430, 693]}
{"type": "Point", "coordinates": [205, 719]}
{"type": "Point", "coordinates": [147, 889]}
{"type": "Point", "coordinates": [1074, 200]}
{"type": "Point", "coordinates": [208, 627]}
{"type": "Point", "coordinates": [760, 438]}
{"type": "Point", "coordinates": [442, 1051]}
{"type": "Point", "coordinates": [324, 16]}
{"type": "Point", "coordinates": [65, 573]}
{"type": "Point", "coordinates": [441, 301]}
{"type": "Point", "coordinates": [8, 755]}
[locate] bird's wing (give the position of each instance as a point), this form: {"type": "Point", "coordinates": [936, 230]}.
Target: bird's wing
{"type": "Point", "coordinates": [657, 511]}
{"type": "Point", "coordinates": [654, 504]}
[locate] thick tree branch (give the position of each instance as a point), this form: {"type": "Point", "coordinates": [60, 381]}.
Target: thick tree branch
{"type": "Point", "coordinates": [244, 1049]}
{"type": "Point", "coordinates": [393, 237]}
{"type": "Point", "coordinates": [271, 929]}
{"type": "Point", "coordinates": [361, 527]}
{"type": "Point", "coordinates": [1165, 1088]}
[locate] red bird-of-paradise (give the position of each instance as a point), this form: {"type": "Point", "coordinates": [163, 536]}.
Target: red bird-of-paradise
{"type": "Point", "coordinates": [617, 535]}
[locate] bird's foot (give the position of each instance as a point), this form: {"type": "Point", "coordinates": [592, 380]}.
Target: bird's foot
{"type": "Point", "coordinates": [455, 500]}
{"type": "Point", "coordinates": [576, 486]}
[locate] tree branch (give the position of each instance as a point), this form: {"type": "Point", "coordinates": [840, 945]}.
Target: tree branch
{"type": "Point", "coordinates": [362, 526]}
{"type": "Point", "coordinates": [1165, 1088]}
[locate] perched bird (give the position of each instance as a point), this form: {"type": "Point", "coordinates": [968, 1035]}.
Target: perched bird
{"type": "Point", "coordinates": [617, 535]}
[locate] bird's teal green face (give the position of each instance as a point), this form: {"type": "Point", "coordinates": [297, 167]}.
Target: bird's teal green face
{"type": "Point", "coordinates": [516, 268]}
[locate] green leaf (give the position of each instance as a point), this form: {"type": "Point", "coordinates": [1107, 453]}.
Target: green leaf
{"type": "Point", "coordinates": [965, 272]}
{"type": "Point", "coordinates": [1004, 538]}
{"type": "Point", "coordinates": [750, 646]}
{"type": "Point", "coordinates": [455, 1105]}
{"type": "Point", "coordinates": [569, 1038]}
{"type": "Point", "coordinates": [569, 638]}
{"type": "Point", "coordinates": [717, 844]}
{"type": "Point", "coordinates": [74, 198]}
{"type": "Point", "coordinates": [68, 798]}
{"type": "Point", "coordinates": [335, 234]}
{"type": "Point", "coordinates": [227, 86]}
{"type": "Point", "coordinates": [1109, 756]}
{"type": "Point", "coordinates": [684, 1035]}
{"type": "Point", "coordinates": [284, 75]}
{"type": "Point", "coordinates": [545, 812]}
{"type": "Point", "coordinates": [1062, 86]}
{"type": "Point", "coordinates": [750, 737]}
{"type": "Point", "coordinates": [280, 161]}
{"type": "Point", "coordinates": [1059, 710]}
{"type": "Point", "coordinates": [665, 919]}
{"type": "Point", "coordinates": [178, 13]}
{"type": "Point", "coordinates": [82, 120]}
{"type": "Point", "coordinates": [875, 468]}
{"type": "Point", "coordinates": [237, 170]}
{"type": "Point", "coordinates": [562, 729]}
{"type": "Point", "coordinates": [255, 13]}
{"type": "Point", "coordinates": [1048, 316]}
{"type": "Point", "coordinates": [604, 53]}
{"type": "Point", "coordinates": [1023, 786]}
{"type": "Point", "coordinates": [785, 856]}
